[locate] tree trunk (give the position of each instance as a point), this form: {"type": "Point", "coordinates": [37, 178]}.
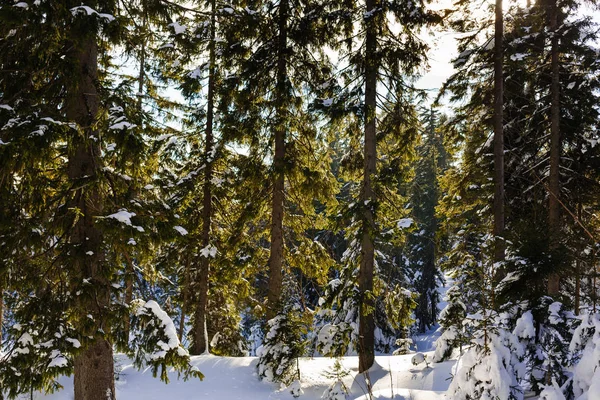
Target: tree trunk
{"type": "Point", "coordinates": [276, 254]}
{"type": "Point", "coordinates": [94, 369]}
{"type": "Point", "coordinates": [184, 301]}
{"type": "Point", "coordinates": [142, 72]}
{"type": "Point", "coordinates": [499, 243]}
{"type": "Point", "coordinates": [596, 271]}
{"type": "Point", "coordinates": [366, 327]}
{"type": "Point", "coordinates": [578, 268]}
{"type": "Point", "coordinates": [200, 343]}
{"type": "Point", "coordinates": [554, 184]}
{"type": "Point", "coordinates": [130, 273]}
{"type": "Point", "coordinates": [1, 311]}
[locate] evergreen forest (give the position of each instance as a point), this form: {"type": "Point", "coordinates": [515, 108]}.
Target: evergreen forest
{"type": "Point", "coordinates": [277, 181]}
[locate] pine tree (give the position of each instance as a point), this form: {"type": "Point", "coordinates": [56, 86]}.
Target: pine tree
{"type": "Point", "coordinates": [499, 133]}
{"type": "Point", "coordinates": [80, 120]}
{"type": "Point", "coordinates": [278, 61]}
{"type": "Point", "coordinates": [374, 56]}
{"type": "Point", "coordinates": [422, 246]}
{"type": "Point", "coordinates": [533, 256]}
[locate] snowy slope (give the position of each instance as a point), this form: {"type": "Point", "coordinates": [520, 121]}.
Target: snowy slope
{"type": "Point", "coordinates": [426, 341]}
{"type": "Point", "coordinates": [233, 378]}
{"type": "Point", "coordinates": [230, 378]}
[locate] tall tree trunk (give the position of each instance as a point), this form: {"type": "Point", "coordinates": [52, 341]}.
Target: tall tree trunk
{"type": "Point", "coordinates": [499, 245]}
{"type": "Point", "coordinates": [1, 311]}
{"type": "Point", "coordinates": [578, 267]}
{"type": "Point", "coordinates": [129, 277]}
{"type": "Point", "coordinates": [555, 144]}
{"type": "Point", "coordinates": [200, 343]}
{"type": "Point", "coordinates": [130, 273]}
{"type": "Point", "coordinates": [366, 326]}
{"type": "Point", "coordinates": [276, 255]}
{"type": "Point", "coordinates": [142, 73]}
{"type": "Point", "coordinates": [94, 369]}
{"type": "Point", "coordinates": [184, 301]}
{"type": "Point", "coordinates": [596, 271]}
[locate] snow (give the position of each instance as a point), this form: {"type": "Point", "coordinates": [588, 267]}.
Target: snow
{"type": "Point", "coordinates": [170, 332]}
{"type": "Point", "coordinates": [405, 394]}
{"type": "Point", "coordinates": [586, 372]}
{"type": "Point", "coordinates": [418, 359]}
{"type": "Point", "coordinates": [525, 328]}
{"type": "Point", "coordinates": [404, 223]}
{"type": "Point", "coordinates": [182, 231]}
{"type": "Point", "coordinates": [74, 342]}
{"type": "Point", "coordinates": [121, 125]}
{"type": "Point", "coordinates": [554, 310]}
{"type": "Point", "coordinates": [552, 392]}
{"type": "Point", "coordinates": [179, 29]}
{"type": "Point", "coordinates": [209, 251]}
{"type": "Point", "coordinates": [234, 378]}
{"type": "Point", "coordinates": [57, 360]}
{"type": "Point", "coordinates": [89, 11]}
{"type": "Point", "coordinates": [295, 389]}
{"type": "Point", "coordinates": [122, 216]}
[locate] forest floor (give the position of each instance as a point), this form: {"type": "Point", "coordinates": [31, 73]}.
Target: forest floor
{"type": "Point", "coordinates": [233, 378]}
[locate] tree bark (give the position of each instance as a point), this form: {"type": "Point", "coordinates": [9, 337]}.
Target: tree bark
{"type": "Point", "coordinates": [130, 273]}
{"type": "Point", "coordinates": [142, 72]}
{"type": "Point", "coordinates": [184, 301]}
{"type": "Point", "coordinates": [499, 243]}
{"type": "Point", "coordinates": [366, 327]}
{"type": "Point", "coordinates": [555, 144]}
{"type": "Point", "coordinates": [1, 311]}
{"type": "Point", "coordinates": [578, 268]}
{"type": "Point", "coordinates": [129, 276]}
{"type": "Point", "coordinates": [200, 342]}
{"type": "Point", "coordinates": [277, 244]}
{"type": "Point", "coordinates": [94, 369]}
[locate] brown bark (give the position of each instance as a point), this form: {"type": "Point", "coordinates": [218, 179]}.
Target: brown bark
{"type": "Point", "coordinates": [129, 275]}
{"type": "Point", "coordinates": [1, 312]}
{"type": "Point", "coordinates": [578, 269]}
{"type": "Point", "coordinates": [555, 144]}
{"type": "Point", "coordinates": [499, 243]}
{"type": "Point", "coordinates": [276, 254]}
{"type": "Point", "coordinates": [596, 271]}
{"type": "Point", "coordinates": [94, 369]}
{"type": "Point", "coordinates": [200, 342]}
{"type": "Point", "coordinates": [184, 305]}
{"type": "Point", "coordinates": [366, 327]}
{"type": "Point", "coordinates": [142, 72]}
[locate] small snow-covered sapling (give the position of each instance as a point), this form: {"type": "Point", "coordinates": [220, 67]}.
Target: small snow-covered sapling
{"type": "Point", "coordinates": [420, 358]}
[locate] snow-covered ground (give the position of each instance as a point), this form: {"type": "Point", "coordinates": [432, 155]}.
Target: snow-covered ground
{"type": "Point", "coordinates": [228, 378]}
{"type": "Point", "coordinates": [233, 378]}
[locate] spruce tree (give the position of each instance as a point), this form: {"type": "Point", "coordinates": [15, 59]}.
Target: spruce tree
{"type": "Point", "coordinates": [77, 192]}
{"type": "Point", "coordinates": [423, 242]}
{"type": "Point", "coordinates": [278, 62]}
{"type": "Point", "coordinates": [375, 56]}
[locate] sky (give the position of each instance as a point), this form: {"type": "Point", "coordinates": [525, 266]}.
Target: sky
{"type": "Point", "coordinates": [441, 51]}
